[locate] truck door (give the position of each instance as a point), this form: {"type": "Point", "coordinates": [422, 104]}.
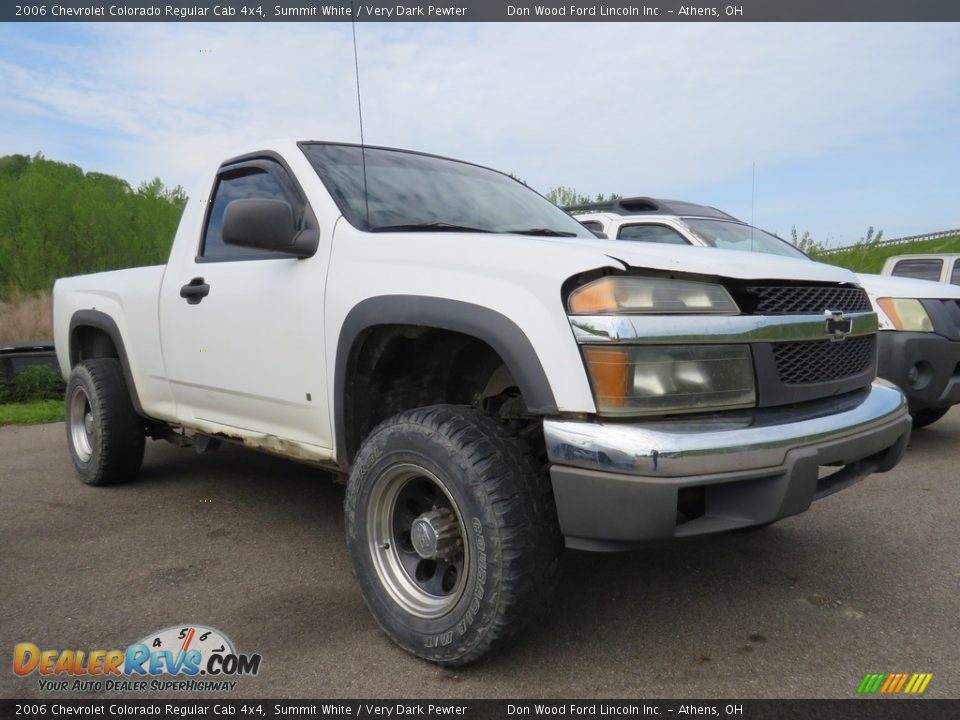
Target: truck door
{"type": "Point", "coordinates": [242, 328]}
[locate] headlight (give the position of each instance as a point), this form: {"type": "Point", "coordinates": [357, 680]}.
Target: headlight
{"type": "Point", "coordinates": [627, 295]}
{"type": "Point", "coordinates": [653, 379]}
{"type": "Point", "coordinates": [906, 314]}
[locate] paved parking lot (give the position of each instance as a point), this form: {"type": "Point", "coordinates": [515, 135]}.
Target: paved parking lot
{"type": "Point", "coordinates": [866, 581]}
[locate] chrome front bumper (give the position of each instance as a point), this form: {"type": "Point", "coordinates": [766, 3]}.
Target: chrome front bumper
{"type": "Point", "coordinates": [619, 484]}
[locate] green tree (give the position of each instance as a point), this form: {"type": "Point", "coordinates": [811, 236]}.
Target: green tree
{"type": "Point", "coordinates": [57, 220]}
{"type": "Point", "coordinates": [14, 164]}
{"type": "Point", "coordinates": [562, 196]}
{"type": "Point", "coordinates": [805, 242]}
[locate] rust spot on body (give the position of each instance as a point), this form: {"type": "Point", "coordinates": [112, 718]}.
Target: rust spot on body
{"type": "Point", "coordinates": [303, 452]}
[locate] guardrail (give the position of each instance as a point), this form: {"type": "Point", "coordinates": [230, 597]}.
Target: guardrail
{"type": "Point", "coordinates": [897, 241]}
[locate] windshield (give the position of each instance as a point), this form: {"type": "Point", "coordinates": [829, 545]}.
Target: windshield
{"type": "Point", "coordinates": [408, 191]}
{"type": "Point", "coordinates": [736, 236]}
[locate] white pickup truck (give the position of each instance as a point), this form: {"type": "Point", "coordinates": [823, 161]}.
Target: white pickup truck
{"type": "Point", "coordinates": [491, 379]}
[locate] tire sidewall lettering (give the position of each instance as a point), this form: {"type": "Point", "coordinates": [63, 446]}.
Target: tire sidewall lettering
{"type": "Point", "coordinates": [479, 587]}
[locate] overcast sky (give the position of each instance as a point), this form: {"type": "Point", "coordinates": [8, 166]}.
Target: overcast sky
{"type": "Point", "coordinates": [848, 125]}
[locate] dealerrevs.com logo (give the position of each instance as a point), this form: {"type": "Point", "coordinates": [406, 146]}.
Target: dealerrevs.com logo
{"type": "Point", "coordinates": [186, 658]}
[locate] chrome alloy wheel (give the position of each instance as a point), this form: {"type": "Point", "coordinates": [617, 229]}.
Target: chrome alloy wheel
{"type": "Point", "coordinates": [416, 540]}
{"type": "Point", "coordinates": [80, 417]}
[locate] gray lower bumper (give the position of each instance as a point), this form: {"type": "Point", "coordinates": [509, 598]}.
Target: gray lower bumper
{"type": "Point", "coordinates": [618, 485]}
{"type": "Point", "coordinates": [934, 359]}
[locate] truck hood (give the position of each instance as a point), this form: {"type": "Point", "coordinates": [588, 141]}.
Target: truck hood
{"type": "Point", "coordinates": [736, 264]}
{"type": "Point", "coordinates": [900, 287]}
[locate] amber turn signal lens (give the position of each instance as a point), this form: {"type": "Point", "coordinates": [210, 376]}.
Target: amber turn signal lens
{"type": "Point", "coordinates": [890, 308]}
{"type": "Point", "coordinates": [609, 370]}
{"type": "Point", "coordinates": [597, 297]}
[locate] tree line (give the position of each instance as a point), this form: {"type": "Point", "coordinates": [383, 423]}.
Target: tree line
{"type": "Point", "coordinates": [57, 220]}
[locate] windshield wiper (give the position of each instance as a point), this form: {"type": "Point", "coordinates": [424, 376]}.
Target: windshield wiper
{"type": "Point", "coordinates": [429, 227]}
{"type": "Point", "coordinates": [543, 231]}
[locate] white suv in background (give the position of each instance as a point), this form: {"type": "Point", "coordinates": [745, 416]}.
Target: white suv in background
{"type": "Point", "coordinates": [930, 266]}
{"type": "Point", "coordinates": [919, 342]}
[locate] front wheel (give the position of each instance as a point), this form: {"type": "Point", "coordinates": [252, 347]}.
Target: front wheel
{"type": "Point", "coordinates": [452, 532]}
{"type": "Point", "coordinates": [104, 433]}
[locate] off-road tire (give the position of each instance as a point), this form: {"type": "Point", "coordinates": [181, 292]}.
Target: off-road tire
{"type": "Point", "coordinates": [928, 416]}
{"type": "Point", "coordinates": [115, 432]}
{"type": "Point", "coordinates": [503, 498]}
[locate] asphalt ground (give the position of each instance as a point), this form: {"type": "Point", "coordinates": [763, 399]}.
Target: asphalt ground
{"type": "Point", "coordinates": [865, 581]}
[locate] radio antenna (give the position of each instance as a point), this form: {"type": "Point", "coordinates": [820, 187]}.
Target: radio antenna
{"type": "Point", "coordinates": [753, 195]}
{"type": "Point", "coordinates": [363, 151]}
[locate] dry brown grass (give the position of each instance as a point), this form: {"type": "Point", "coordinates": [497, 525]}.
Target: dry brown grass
{"type": "Point", "coordinates": [26, 317]}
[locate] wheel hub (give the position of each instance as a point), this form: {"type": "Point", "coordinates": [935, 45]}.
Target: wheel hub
{"type": "Point", "coordinates": [80, 424]}
{"type": "Point", "coordinates": [417, 541]}
{"type": "Point", "coordinates": [435, 534]}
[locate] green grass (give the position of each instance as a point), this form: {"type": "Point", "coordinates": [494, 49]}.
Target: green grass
{"type": "Point", "coordinates": [871, 259]}
{"type": "Point", "coordinates": [31, 413]}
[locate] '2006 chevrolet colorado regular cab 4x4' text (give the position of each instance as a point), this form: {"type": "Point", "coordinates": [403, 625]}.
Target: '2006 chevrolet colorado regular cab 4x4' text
{"type": "Point", "coordinates": [492, 378]}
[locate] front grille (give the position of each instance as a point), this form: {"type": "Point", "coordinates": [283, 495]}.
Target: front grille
{"type": "Point", "coordinates": [817, 361]}
{"type": "Point", "coordinates": [802, 299]}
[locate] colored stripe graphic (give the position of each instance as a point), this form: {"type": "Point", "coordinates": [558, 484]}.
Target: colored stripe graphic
{"type": "Point", "coordinates": [894, 683]}
{"type": "Point", "coordinates": [871, 682]}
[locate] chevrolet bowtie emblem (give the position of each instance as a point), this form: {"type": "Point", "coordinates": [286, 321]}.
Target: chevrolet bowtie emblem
{"type": "Point", "coordinates": [838, 324]}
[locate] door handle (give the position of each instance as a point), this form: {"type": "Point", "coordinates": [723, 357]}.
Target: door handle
{"type": "Point", "coordinates": [195, 290]}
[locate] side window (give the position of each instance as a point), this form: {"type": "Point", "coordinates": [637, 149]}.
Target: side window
{"type": "Point", "coordinates": [246, 183]}
{"type": "Point", "coordinates": [919, 269]}
{"type": "Point", "coordinates": [651, 233]}
{"type": "Point", "coordinates": [955, 275]}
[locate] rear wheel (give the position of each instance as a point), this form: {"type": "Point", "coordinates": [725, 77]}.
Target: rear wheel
{"type": "Point", "coordinates": [104, 433]}
{"type": "Point", "coordinates": [452, 532]}
{"type": "Point", "coordinates": [928, 416]}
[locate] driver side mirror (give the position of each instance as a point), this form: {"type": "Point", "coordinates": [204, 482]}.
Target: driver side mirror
{"type": "Point", "coordinates": [267, 224]}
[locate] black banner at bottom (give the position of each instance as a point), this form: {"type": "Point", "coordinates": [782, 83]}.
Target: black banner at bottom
{"type": "Point", "coordinates": [865, 709]}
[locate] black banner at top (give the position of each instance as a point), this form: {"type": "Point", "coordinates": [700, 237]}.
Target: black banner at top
{"type": "Point", "coordinates": [480, 11]}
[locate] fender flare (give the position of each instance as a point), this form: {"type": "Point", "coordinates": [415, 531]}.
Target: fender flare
{"type": "Point", "coordinates": [103, 322]}
{"type": "Point", "coordinates": [498, 331]}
